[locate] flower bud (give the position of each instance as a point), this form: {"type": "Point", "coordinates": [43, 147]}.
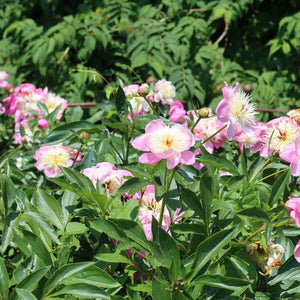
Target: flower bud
{"type": "Point", "coordinates": [151, 79]}
{"type": "Point", "coordinates": [84, 137]}
{"type": "Point", "coordinates": [43, 123]}
{"type": "Point", "coordinates": [144, 89]}
{"type": "Point", "coordinates": [203, 112]}
{"type": "Point", "coordinates": [247, 88]}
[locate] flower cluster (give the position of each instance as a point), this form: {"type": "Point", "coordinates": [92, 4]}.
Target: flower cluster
{"type": "Point", "coordinates": [23, 102]}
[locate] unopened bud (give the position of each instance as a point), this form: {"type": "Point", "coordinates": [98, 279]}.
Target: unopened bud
{"type": "Point", "coordinates": [84, 137]}
{"type": "Point", "coordinates": [151, 79]}
{"type": "Point", "coordinates": [144, 89]}
{"type": "Point", "coordinates": [247, 88]}
{"type": "Point", "coordinates": [203, 112]}
{"type": "Point", "coordinates": [43, 123]}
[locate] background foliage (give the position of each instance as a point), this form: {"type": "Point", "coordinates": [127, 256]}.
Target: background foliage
{"type": "Point", "coordinates": [195, 44]}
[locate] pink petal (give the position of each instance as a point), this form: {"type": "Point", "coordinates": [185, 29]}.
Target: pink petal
{"type": "Point", "coordinates": [289, 153]}
{"type": "Point", "coordinates": [140, 142]}
{"type": "Point", "coordinates": [297, 252]}
{"type": "Point", "coordinates": [154, 126]}
{"type": "Point", "coordinates": [149, 158]}
{"type": "Point", "coordinates": [222, 110]}
{"type": "Point", "coordinates": [295, 166]}
{"type": "Point", "coordinates": [173, 161]}
{"type": "Point", "coordinates": [209, 146]}
{"type": "Point", "coordinates": [297, 144]}
{"type": "Point", "coordinates": [231, 131]}
{"type": "Point", "coordinates": [187, 158]}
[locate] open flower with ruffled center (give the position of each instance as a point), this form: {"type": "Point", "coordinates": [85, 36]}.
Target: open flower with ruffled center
{"type": "Point", "coordinates": [52, 101]}
{"type": "Point", "coordinates": [165, 142]}
{"type": "Point", "coordinates": [165, 92]}
{"type": "Point", "coordinates": [236, 109]}
{"type": "Point", "coordinates": [279, 133]}
{"type": "Point", "coordinates": [149, 208]}
{"type": "Point", "coordinates": [51, 158]}
{"type": "Point", "coordinates": [108, 175]}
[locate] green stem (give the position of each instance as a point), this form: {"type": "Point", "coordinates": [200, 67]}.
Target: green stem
{"type": "Point", "coordinates": [166, 194]}
{"type": "Point", "coordinates": [259, 170]}
{"type": "Point", "coordinates": [112, 145]}
{"type": "Point", "coordinates": [210, 137]}
{"type": "Point", "coordinates": [151, 105]}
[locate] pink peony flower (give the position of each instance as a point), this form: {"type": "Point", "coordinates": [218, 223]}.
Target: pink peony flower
{"type": "Point", "coordinates": [43, 123]}
{"type": "Point", "coordinates": [236, 109]}
{"type": "Point", "coordinates": [51, 158]}
{"type": "Point", "coordinates": [294, 206]}
{"type": "Point", "coordinates": [108, 175]}
{"type": "Point", "coordinates": [165, 92]}
{"type": "Point", "coordinates": [292, 155]}
{"type": "Point", "coordinates": [3, 76]}
{"type": "Point", "coordinates": [177, 112]}
{"type": "Point", "coordinates": [131, 90]}
{"type": "Point", "coordinates": [164, 142]}
{"type": "Point", "coordinates": [23, 101]}
{"type": "Point", "coordinates": [205, 129]}
{"type": "Point", "coordinates": [52, 101]}
{"type": "Point", "coordinates": [149, 208]}
{"type": "Point", "coordinates": [278, 134]}
{"type": "Point", "coordinates": [297, 252]}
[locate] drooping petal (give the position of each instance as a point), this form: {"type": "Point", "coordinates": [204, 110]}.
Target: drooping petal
{"type": "Point", "coordinates": [173, 161]}
{"type": "Point", "coordinates": [297, 252]}
{"type": "Point", "coordinates": [149, 158]}
{"type": "Point", "coordinates": [187, 158]}
{"type": "Point", "coordinates": [295, 166]}
{"type": "Point", "coordinates": [231, 131]}
{"type": "Point", "coordinates": [222, 110]}
{"type": "Point", "coordinates": [155, 125]}
{"type": "Point", "coordinates": [297, 145]}
{"type": "Point", "coordinates": [140, 143]}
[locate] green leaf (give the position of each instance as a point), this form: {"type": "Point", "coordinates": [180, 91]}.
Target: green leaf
{"type": "Point", "coordinates": [8, 192]}
{"type": "Point", "coordinates": [75, 228]}
{"type": "Point", "coordinates": [93, 276]}
{"type": "Point", "coordinates": [133, 185]}
{"type": "Point", "coordinates": [286, 48]}
{"type": "Point", "coordinates": [191, 200]}
{"type": "Point", "coordinates": [254, 212]}
{"type": "Point", "coordinates": [113, 257]}
{"type": "Point", "coordinates": [82, 290]}
{"type": "Point", "coordinates": [235, 284]}
{"type": "Point", "coordinates": [278, 187]}
{"type": "Point", "coordinates": [49, 207]}
{"type": "Point", "coordinates": [210, 248]}
{"type": "Point", "coordinates": [4, 280]}
{"type": "Point", "coordinates": [25, 294]}
{"type": "Point", "coordinates": [31, 282]}
{"type": "Point", "coordinates": [220, 163]}
{"type": "Point", "coordinates": [63, 273]}
{"type": "Point", "coordinates": [121, 104]}
{"type": "Point", "coordinates": [292, 274]}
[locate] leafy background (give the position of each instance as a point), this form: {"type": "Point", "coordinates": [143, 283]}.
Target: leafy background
{"type": "Point", "coordinates": [195, 44]}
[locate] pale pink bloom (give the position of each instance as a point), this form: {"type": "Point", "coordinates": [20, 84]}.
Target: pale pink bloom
{"type": "Point", "coordinates": [43, 123]}
{"type": "Point", "coordinates": [52, 101]}
{"type": "Point", "coordinates": [3, 76]}
{"type": "Point", "coordinates": [149, 208]}
{"type": "Point", "coordinates": [292, 155]}
{"type": "Point", "coordinates": [294, 206]}
{"type": "Point", "coordinates": [51, 158]}
{"type": "Point", "coordinates": [205, 129]}
{"type": "Point", "coordinates": [164, 142]}
{"type": "Point", "coordinates": [236, 109]}
{"type": "Point", "coordinates": [297, 252]}
{"type": "Point", "coordinates": [165, 92]}
{"type": "Point", "coordinates": [279, 133]}
{"type": "Point", "coordinates": [108, 175]}
{"type": "Point", "coordinates": [27, 138]}
{"type": "Point", "coordinates": [177, 112]}
{"type": "Point", "coordinates": [23, 101]}
{"type": "Point", "coordinates": [2, 109]}
{"type": "Point", "coordinates": [131, 90]}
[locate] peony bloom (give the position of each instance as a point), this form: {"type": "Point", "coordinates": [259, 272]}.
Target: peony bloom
{"type": "Point", "coordinates": [51, 158]}
{"type": "Point", "coordinates": [43, 123]}
{"type": "Point", "coordinates": [236, 109]}
{"type": "Point", "coordinates": [297, 252]}
{"type": "Point", "coordinates": [177, 112]}
{"type": "Point", "coordinates": [149, 208]}
{"type": "Point", "coordinates": [3, 82]}
{"type": "Point", "coordinates": [108, 175]}
{"type": "Point", "coordinates": [205, 129]}
{"type": "Point", "coordinates": [52, 101]}
{"type": "Point", "coordinates": [164, 142]}
{"type": "Point", "coordinates": [294, 206]}
{"type": "Point", "coordinates": [139, 105]}
{"type": "Point", "coordinates": [165, 92]}
{"type": "Point", "coordinates": [279, 134]}
{"type": "Point", "coordinates": [292, 155]}
{"type": "Point", "coordinates": [23, 101]}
